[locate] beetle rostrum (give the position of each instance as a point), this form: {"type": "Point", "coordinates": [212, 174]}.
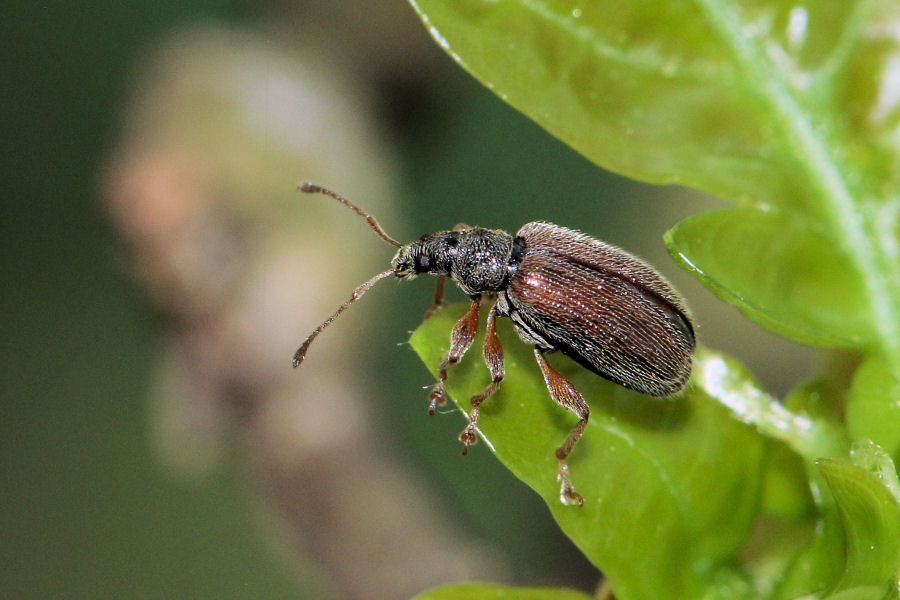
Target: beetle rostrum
{"type": "Point", "coordinates": [563, 291]}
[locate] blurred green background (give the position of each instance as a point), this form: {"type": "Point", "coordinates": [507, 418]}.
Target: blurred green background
{"type": "Point", "coordinates": [88, 511]}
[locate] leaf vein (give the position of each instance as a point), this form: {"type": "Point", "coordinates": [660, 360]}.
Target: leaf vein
{"type": "Point", "coordinates": [644, 61]}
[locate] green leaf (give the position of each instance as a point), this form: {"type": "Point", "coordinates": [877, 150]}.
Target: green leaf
{"type": "Point", "coordinates": [780, 106]}
{"type": "Point", "coordinates": [485, 591]}
{"type": "Point", "coordinates": [870, 592]}
{"type": "Point", "coordinates": [671, 486]}
{"type": "Point", "coordinates": [791, 281]}
{"type": "Point", "coordinates": [855, 552]}
{"type": "Point", "coordinates": [870, 515]}
{"type": "Point", "coordinates": [873, 406]}
{"type": "Point", "coordinates": [643, 88]}
{"type": "Point", "coordinates": [786, 494]}
{"type": "Point", "coordinates": [818, 563]}
{"type": "Point", "coordinates": [872, 458]}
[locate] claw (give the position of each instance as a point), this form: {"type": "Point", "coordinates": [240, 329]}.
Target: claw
{"type": "Point", "coordinates": [468, 438]}
{"type": "Point", "coordinates": [436, 397]}
{"type": "Point", "coordinates": [567, 493]}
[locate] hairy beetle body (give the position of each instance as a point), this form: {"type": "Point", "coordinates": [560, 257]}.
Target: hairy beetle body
{"type": "Point", "coordinates": [563, 291]}
{"type": "Point", "coordinates": [566, 291]}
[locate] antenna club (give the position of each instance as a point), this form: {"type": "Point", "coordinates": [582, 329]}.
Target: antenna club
{"type": "Point", "coordinates": [300, 354]}
{"type": "Point", "coordinates": [309, 188]}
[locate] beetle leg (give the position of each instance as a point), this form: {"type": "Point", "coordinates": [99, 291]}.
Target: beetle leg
{"type": "Point", "coordinates": [493, 356]}
{"type": "Point", "coordinates": [438, 296]}
{"type": "Point", "coordinates": [564, 393]}
{"type": "Point", "coordinates": [461, 338]}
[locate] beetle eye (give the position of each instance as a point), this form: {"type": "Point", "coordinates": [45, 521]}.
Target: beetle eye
{"type": "Point", "coordinates": [423, 263]}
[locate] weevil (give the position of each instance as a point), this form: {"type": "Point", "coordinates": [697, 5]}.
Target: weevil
{"type": "Point", "coordinates": [563, 291]}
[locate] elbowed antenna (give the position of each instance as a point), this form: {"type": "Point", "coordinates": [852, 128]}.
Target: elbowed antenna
{"type": "Point", "coordinates": [311, 188]}
{"type": "Point", "coordinates": [300, 354]}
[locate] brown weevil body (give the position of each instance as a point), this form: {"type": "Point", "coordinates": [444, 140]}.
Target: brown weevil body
{"type": "Point", "coordinates": [563, 290]}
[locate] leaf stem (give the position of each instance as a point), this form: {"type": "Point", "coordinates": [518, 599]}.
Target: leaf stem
{"type": "Point", "coordinates": [811, 437]}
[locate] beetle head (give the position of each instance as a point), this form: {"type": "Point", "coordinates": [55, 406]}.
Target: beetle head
{"type": "Point", "coordinates": [433, 253]}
